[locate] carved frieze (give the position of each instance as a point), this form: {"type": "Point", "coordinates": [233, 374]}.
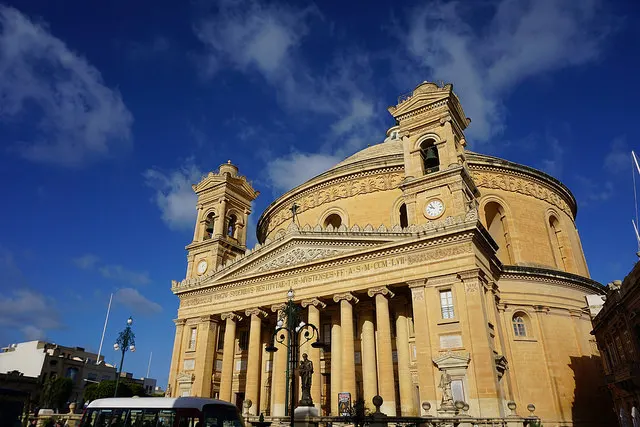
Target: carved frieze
{"type": "Point", "coordinates": [503, 181]}
{"type": "Point", "coordinates": [298, 256]}
{"type": "Point", "coordinates": [339, 190]}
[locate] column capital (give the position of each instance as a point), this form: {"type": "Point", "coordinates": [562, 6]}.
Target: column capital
{"type": "Point", "coordinates": [380, 290]}
{"type": "Point", "coordinates": [230, 315]}
{"type": "Point", "coordinates": [179, 322]}
{"type": "Point", "coordinates": [347, 296]}
{"type": "Point", "coordinates": [255, 312]}
{"type": "Point", "coordinates": [501, 306]}
{"type": "Point", "coordinates": [314, 302]}
{"type": "Point", "coordinates": [278, 307]}
{"type": "Point", "coordinates": [208, 318]}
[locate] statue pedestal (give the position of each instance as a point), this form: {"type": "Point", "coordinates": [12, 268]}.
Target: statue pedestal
{"type": "Point", "coordinates": [303, 414]}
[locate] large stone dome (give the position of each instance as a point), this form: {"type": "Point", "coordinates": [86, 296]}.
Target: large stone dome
{"type": "Point", "coordinates": [364, 189]}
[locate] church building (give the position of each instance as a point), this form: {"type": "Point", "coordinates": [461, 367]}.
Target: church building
{"type": "Point", "coordinates": [417, 260]}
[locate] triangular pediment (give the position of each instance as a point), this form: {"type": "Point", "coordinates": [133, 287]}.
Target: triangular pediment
{"type": "Point", "coordinates": [301, 250]}
{"type": "Point", "coordinates": [212, 180]}
{"type": "Point", "coordinates": [423, 95]}
{"type": "Point", "coordinates": [451, 360]}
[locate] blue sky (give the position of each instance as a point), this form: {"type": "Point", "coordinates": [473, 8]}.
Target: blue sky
{"type": "Point", "coordinates": [110, 110]}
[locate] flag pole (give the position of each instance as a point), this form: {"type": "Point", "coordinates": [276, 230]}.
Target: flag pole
{"type": "Point", "coordinates": [104, 329]}
{"type": "Point", "coordinates": [149, 366]}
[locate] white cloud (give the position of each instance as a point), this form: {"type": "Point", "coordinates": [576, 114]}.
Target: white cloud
{"type": "Point", "coordinates": [119, 273]}
{"type": "Point", "coordinates": [266, 40]}
{"type": "Point", "coordinates": [618, 159]}
{"type": "Point", "coordinates": [174, 196]}
{"type": "Point", "coordinates": [86, 262]}
{"type": "Point", "coordinates": [74, 116]}
{"type": "Point", "coordinates": [289, 171]}
{"type": "Point", "coordinates": [594, 190]}
{"type": "Point", "coordinates": [136, 302]}
{"type": "Point", "coordinates": [31, 312]}
{"type": "Point", "coordinates": [520, 41]}
{"type": "Point", "coordinates": [553, 163]}
{"type": "Point", "coordinates": [250, 35]}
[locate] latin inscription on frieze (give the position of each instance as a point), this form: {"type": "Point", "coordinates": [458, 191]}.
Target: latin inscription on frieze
{"type": "Point", "coordinates": [338, 274]}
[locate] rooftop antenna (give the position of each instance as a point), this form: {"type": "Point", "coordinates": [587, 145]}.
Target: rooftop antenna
{"type": "Point", "coordinates": [635, 197]}
{"type": "Point", "coordinates": [104, 329]}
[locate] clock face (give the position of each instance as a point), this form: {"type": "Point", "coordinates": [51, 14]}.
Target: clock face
{"type": "Point", "coordinates": [434, 208]}
{"type": "Point", "coordinates": [202, 267]}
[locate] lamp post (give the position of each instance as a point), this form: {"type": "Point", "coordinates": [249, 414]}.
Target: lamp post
{"type": "Point", "coordinates": [298, 333]}
{"type": "Point", "coordinates": [126, 341]}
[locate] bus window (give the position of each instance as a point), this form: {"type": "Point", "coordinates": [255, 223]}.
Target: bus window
{"type": "Point", "coordinates": [103, 418]}
{"type": "Point", "coordinates": [221, 416]}
{"type": "Point", "coordinates": [135, 418]}
{"type": "Point", "coordinates": [166, 418]}
{"type": "Point", "coordinates": [90, 418]}
{"type": "Point", "coordinates": [118, 417]}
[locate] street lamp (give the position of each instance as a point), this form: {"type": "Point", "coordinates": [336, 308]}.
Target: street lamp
{"type": "Point", "coordinates": [126, 341]}
{"type": "Point", "coordinates": [296, 331]}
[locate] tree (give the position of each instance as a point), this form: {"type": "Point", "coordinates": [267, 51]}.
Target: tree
{"type": "Point", "coordinates": [107, 388]}
{"type": "Point", "coordinates": [56, 393]}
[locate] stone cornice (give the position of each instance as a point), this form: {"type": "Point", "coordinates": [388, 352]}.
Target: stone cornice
{"type": "Point", "coordinates": [346, 296]}
{"type": "Point", "coordinates": [556, 277]}
{"type": "Point", "coordinates": [208, 319]}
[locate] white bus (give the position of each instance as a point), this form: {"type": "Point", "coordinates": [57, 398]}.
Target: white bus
{"type": "Point", "coordinates": [160, 412]}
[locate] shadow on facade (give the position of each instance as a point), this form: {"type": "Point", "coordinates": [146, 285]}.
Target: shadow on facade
{"type": "Point", "coordinates": [592, 404]}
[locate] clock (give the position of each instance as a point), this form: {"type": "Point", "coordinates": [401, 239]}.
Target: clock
{"type": "Point", "coordinates": [434, 208]}
{"type": "Point", "coordinates": [202, 267]}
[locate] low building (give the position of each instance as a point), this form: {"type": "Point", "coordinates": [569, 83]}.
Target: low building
{"type": "Point", "coordinates": [18, 394]}
{"type": "Point", "coordinates": [49, 360]}
{"type": "Point", "coordinates": [616, 327]}
{"type": "Point", "coordinates": [149, 384]}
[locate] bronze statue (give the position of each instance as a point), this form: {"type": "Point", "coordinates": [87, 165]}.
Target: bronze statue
{"type": "Point", "coordinates": [306, 370]}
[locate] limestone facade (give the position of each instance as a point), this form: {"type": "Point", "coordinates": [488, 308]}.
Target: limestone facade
{"type": "Point", "coordinates": [413, 257]}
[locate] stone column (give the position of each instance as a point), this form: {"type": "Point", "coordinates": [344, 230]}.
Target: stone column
{"type": "Point", "coordinates": [205, 354]}
{"type": "Point", "coordinates": [368, 351]}
{"type": "Point", "coordinates": [242, 233]}
{"type": "Point", "coordinates": [482, 354]}
{"type": "Point", "coordinates": [198, 232]}
{"type": "Point", "coordinates": [336, 362]}
{"type": "Point", "coordinates": [404, 375]}
{"type": "Point", "coordinates": [348, 350]}
{"type": "Point", "coordinates": [252, 386]}
{"type": "Point", "coordinates": [228, 353]}
{"type": "Point", "coordinates": [386, 381]}
{"type": "Point", "coordinates": [278, 383]}
{"type": "Point", "coordinates": [426, 380]}
{"type": "Point", "coordinates": [313, 318]}
{"type": "Point", "coordinates": [175, 357]}
{"type": "Point", "coordinates": [218, 226]}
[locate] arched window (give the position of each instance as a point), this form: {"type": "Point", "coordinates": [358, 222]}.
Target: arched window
{"type": "Point", "coordinates": [231, 226]}
{"type": "Point", "coordinates": [208, 226]}
{"type": "Point", "coordinates": [429, 154]}
{"type": "Point", "coordinates": [334, 220]}
{"type": "Point", "coordinates": [519, 325]}
{"type": "Point", "coordinates": [556, 243]}
{"type": "Point", "coordinates": [404, 219]}
{"type": "Point", "coordinates": [497, 227]}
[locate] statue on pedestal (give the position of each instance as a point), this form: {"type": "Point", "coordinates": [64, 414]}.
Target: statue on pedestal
{"type": "Point", "coordinates": [447, 395]}
{"type": "Point", "coordinates": [306, 371]}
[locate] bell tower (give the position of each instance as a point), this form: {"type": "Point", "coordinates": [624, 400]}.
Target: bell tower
{"type": "Point", "coordinates": [430, 122]}
{"type": "Point", "coordinates": [224, 205]}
